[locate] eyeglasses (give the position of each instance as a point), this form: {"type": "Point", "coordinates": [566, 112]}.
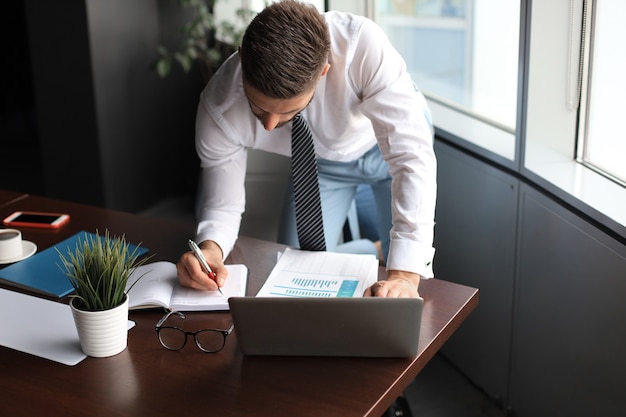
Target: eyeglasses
{"type": "Point", "coordinates": [175, 338]}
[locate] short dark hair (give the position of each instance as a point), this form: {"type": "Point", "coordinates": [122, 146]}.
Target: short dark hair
{"type": "Point", "coordinates": [285, 49]}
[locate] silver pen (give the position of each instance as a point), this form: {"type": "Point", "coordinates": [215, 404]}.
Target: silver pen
{"type": "Point", "coordinates": [196, 250]}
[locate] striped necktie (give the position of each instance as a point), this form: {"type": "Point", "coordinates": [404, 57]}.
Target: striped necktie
{"type": "Point", "coordinates": [309, 221]}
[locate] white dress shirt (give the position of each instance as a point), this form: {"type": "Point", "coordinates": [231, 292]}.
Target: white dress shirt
{"type": "Point", "coordinates": [367, 97]}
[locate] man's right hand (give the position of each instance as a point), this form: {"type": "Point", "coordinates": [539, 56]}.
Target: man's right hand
{"type": "Point", "coordinates": [192, 275]}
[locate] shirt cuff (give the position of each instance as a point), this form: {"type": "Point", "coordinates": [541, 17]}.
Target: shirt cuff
{"type": "Point", "coordinates": [211, 230]}
{"type": "Point", "coordinates": [411, 256]}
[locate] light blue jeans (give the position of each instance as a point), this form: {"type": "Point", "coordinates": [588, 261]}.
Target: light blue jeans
{"type": "Point", "coordinates": [338, 185]}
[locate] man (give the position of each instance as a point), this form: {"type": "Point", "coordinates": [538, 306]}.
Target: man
{"type": "Point", "coordinates": [369, 125]}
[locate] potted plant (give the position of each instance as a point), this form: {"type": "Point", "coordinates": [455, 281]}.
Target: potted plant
{"type": "Point", "coordinates": [203, 38]}
{"type": "Point", "coordinates": [98, 269]}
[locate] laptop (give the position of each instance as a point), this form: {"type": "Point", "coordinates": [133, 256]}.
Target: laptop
{"type": "Point", "coordinates": [358, 327]}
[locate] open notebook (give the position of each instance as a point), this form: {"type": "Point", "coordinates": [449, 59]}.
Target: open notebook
{"type": "Point", "coordinates": [156, 285]}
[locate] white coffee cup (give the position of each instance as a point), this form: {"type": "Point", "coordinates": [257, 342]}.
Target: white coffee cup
{"type": "Point", "coordinates": [10, 244]}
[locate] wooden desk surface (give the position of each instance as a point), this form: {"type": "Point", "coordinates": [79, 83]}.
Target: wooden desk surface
{"type": "Point", "coordinates": [8, 197]}
{"type": "Point", "coordinates": [147, 380]}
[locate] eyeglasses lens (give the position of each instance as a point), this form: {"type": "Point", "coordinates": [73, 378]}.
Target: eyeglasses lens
{"type": "Point", "coordinates": [172, 338]}
{"type": "Point", "coordinates": [210, 341]}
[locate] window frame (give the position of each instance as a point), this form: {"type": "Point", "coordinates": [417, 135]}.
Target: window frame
{"type": "Point", "coordinates": [544, 156]}
{"type": "Point", "coordinates": [548, 148]}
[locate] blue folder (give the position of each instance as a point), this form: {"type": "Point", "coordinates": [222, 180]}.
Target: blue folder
{"type": "Point", "coordinates": [43, 271]}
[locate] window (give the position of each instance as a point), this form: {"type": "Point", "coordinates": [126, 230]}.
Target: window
{"type": "Point", "coordinates": [452, 54]}
{"type": "Point", "coordinates": [462, 68]}
{"type": "Point", "coordinates": [503, 79]}
{"type": "Point", "coordinates": [552, 122]}
{"type": "Point", "coordinates": [602, 141]}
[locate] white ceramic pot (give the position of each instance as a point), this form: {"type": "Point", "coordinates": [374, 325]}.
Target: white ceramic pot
{"type": "Point", "coordinates": [102, 333]}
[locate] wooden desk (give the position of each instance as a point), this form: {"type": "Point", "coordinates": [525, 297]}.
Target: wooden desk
{"type": "Point", "coordinates": [8, 197]}
{"type": "Point", "coordinates": [147, 380]}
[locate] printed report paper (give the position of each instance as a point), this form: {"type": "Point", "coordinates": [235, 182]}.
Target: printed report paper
{"type": "Point", "coordinates": [320, 274]}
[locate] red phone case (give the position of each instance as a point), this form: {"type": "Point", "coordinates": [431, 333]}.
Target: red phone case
{"type": "Point", "coordinates": [11, 223]}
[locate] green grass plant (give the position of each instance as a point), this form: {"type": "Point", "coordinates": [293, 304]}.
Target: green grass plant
{"type": "Point", "coordinates": [98, 269]}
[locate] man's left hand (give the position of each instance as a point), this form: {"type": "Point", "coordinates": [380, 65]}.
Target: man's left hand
{"type": "Point", "coordinates": [399, 284]}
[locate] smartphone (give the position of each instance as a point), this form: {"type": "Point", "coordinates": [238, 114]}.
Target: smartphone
{"type": "Point", "coordinates": [36, 219]}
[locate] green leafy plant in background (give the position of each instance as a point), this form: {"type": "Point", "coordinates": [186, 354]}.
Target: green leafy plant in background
{"type": "Point", "coordinates": [98, 269]}
{"type": "Point", "coordinates": [203, 38]}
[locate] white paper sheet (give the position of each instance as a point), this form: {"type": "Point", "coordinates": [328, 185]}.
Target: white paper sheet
{"type": "Point", "coordinates": [320, 274]}
{"type": "Point", "coordinates": [39, 327]}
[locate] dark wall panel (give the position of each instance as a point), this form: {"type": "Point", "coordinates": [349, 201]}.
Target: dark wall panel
{"type": "Point", "coordinates": [568, 351]}
{"type": "Point", "coordinates": [475, 243]}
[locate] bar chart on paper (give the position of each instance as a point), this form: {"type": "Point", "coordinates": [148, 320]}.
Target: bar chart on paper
{"type": "Point", "coordinates": [310, 287]}
{"type": "Point", "coordinates": [320, 274]}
